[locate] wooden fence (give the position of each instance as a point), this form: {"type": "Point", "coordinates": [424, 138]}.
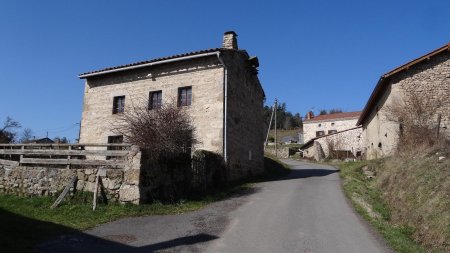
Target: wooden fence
{"type": "Point", "coordinates": [64, 154]}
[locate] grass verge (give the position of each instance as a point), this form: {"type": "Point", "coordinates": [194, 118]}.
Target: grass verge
{"type": "Point", "coordinates": [367, 201]}
{"type": "Point", "coordinates": [27, 221]}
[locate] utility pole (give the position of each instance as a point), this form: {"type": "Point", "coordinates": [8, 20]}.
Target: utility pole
{"type": "Point", "coordinates": [270, 125]}
{"type": "Point", "coordinates": [275, 110]}
{"type": "Point", "coordinates": [79, 132]}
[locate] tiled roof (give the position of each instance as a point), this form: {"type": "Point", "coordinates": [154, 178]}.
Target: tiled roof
{"type": "Point", "coordinates": [383, 84]}
{"type": "Point", "coordinates": [334, 116]}
{"type": "Point", "coordinates": [152, 60]}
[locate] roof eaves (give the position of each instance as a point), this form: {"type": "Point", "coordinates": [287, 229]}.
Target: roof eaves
{"type": "Point", "coordinates": [381, 84]}
{"type": "Point", "coordinates": [156, 61]}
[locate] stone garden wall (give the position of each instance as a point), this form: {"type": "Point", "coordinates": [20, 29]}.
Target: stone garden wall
{"type": "Point", "coordinates": [138, 181]}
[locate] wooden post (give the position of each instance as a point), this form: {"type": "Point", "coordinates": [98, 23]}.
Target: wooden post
{"type": "Point", "coordinates": [64, 193]}
{"type": "Point", "coordinates": [276, 147]}
{"type": "Point", "coordinates": [270, 125]}
{"type": "Point", "coordinates": [68, 158]}
{"type": "Point", "coordinates": [21, 156]}
{"type": "Point", "coordinates": [95, 193]}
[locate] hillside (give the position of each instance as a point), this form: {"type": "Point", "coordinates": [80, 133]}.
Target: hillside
{"type": "Point", "coordinates": [405, 197]}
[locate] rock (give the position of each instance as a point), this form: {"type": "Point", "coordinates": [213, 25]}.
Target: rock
{"type": "Point", "coordinates": [91, 178]}
{"type": "Point", "coordinates": [368, 172]}
{"type": "Point", "coordinates": [132, 176]}
{"type": "Point", "coordinates": [129, 193]}
{"type": "Point", "coordinates": [89, 186]}
{"type": "Point", "coordinates": [80, 185]}
{"type": "Point", "coordinates": [441, 158]}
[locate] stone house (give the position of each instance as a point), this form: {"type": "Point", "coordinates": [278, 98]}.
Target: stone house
{"type": "Point", "coordinates": [342, 144]}
{"type": "Point", "coordinates": [218, 87]}
{"type": "Point", "coordinates": [429, 76]}
{"type": "Point", "coordinates": [316, 126]}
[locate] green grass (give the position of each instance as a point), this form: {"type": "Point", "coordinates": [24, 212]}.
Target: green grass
{"type": "Point", "coordinates": [25, 221]}
{"type": "Point", "coordinates": [368, 202]}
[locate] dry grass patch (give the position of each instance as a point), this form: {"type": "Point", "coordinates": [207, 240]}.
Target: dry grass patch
{"type": "Point", "coordinates": [417, 186]}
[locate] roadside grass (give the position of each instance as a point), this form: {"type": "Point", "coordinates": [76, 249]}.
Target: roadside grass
{"type": "Point", "coordinates": [26, 221]}
{"type": "Point", "coordinates": [368, 201]}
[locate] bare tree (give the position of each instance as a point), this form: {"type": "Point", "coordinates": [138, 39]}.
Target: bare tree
{"type": "Point", "coordinates": [27, 135]}
{"type": "Point", "coordinates": [7, 133]}
{"type": "Point", "coordinates": [416, 115]}
{"type": "Point", "coordinates": [164, 132]}
{"type": "Point", "coordinates": [333, 144]}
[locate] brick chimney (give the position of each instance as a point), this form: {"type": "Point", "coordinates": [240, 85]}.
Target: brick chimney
{"type": "Point", "coordinates": [310, 115]}
{"type": "Point", "coordinates": [229, 40]}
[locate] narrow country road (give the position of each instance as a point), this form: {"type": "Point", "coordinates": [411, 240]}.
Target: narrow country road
{"type": "Point", "coordinates": [304, 212]}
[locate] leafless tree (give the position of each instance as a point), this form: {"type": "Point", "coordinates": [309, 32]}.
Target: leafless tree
{"type": "Point", "coordinates": [333, 144]}
{"type": "Point", "coordinates": [416, 115]}
{"type": "Point", "coordinates": [7, 133]}
{"type": "Point", "coordinates": [27, 135]}
{"type": "Point", "coordinates": [164, 132]}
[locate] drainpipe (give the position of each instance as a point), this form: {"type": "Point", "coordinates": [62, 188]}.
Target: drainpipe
{"type": "Point", "coordinates": [225, 102]}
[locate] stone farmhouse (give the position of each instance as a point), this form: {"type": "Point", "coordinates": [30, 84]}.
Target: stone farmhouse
{"type": "Point", "coordinates": [332, 135]}
{"type": "Point", "coordinates": [218, 87]}
{"type": "Point", "coordinates": [428, 75]}
{"type": "Point", "coordinates": [317, 126]}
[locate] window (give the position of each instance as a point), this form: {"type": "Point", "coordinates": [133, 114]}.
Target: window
{"type": "Point", "coordinates": [155, 100]}
{"type": "Point", "coordinates": [114, 140]}
{"type": "Point", "coordinates": [118, 104]}
{"type": "Point", "coordinates": [185, 96]}
{"type": "Point", "coordinates": [320, 133]}
{"type": "Point", "coordinates": [332, 123]}
{"type": "Point", "coordinates": [332, 131]}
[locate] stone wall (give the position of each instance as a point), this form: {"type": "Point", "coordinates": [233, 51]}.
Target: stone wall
{"type": "Point", "coordinates": [139, 181]}
{"type": "Point", "coordinates": [42, 181]}
{"type": "Point", "coordinates": [430, 77]}
{"type": "Point", "coordinates": [245, 131]}
{"type": "Point", "coordinates": [119, 184]}
{"type": "Point", "coordinates": [282, 152]}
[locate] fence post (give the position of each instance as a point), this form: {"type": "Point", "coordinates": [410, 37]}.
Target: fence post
{"type": "Point", "coordinates": [68, 158]}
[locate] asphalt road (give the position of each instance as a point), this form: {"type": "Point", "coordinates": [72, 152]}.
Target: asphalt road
{"type": "Point", "coordinates": [304, 212]}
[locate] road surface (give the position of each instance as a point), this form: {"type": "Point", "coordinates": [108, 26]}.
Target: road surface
{"type": "Point", "coordinates": [305, 211]}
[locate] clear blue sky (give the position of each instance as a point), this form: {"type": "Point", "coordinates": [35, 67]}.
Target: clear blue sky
{"type": "Point", "coordinates": [313, 54]}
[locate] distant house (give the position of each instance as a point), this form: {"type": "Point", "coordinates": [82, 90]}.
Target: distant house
{"type": "Point", "coordinates": [218, 87]}
{"type": "Point", "coordinates": [316, 126]}
{"type": "Point", "coordinates": [332, 135]}
{"type": "Point", "coordinates": [428, 75]}
{"type": "Point", "coordinates": [342, 144]}
{"type": "Point", "coordinates": [45, 140]}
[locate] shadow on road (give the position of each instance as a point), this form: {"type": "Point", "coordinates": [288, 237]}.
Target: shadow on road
{"type": "Point", "coordinates": [305, 173]}
{"type": "Point", "coordinates": [23, 234]}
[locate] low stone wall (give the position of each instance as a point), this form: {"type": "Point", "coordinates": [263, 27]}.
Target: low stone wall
{"type": "Point", "coordinates": [117, 184]}
{"type": "Point", "coordinates": [42, 181]}
{"type": "Point", "coordinates": [138, 181]}
{"type": "Point", "coordinates": [282, 152]}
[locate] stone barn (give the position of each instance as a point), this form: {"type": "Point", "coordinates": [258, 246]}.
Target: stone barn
{"type": "Point", "coordinates": [427, 76]}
